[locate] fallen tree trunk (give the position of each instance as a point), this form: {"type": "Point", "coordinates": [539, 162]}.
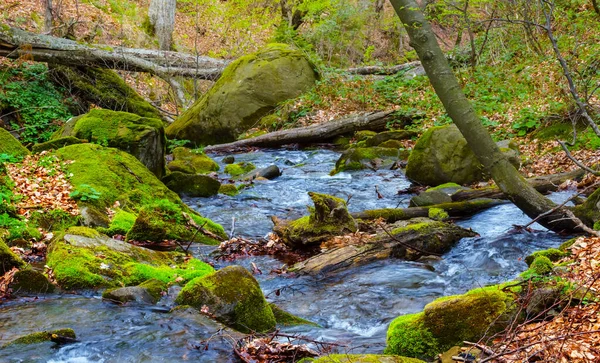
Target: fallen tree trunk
{"type": "Point", "coordinates": [455, 209]}
{"type": "Point", "coordinates": [375, 121]}
{"type": "Point", "coordinates": [410, 241]}
{"type": "Point", "coordinates": [385, 71]}
{"type": "Point", "coordinates": [543, 184]}
{"type": "Point", "coordinates": [16, 43]}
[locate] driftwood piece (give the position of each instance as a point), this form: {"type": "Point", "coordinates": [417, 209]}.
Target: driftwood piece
{"type": "Point", "coordinates": [16, 43]}
{"type": "Point", "coordinates": [386, 71]}
{"type": "Point", "coordinates": [543, 184]}
{"type": "Point", "coordinates": [454, 209]}
{"type": "Point", "coordinates": [375, 121]}
{"type": "Point", "coordinates": [423, 234]}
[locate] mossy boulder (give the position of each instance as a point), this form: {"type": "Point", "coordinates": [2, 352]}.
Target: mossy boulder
{"type": "Point", "coordinates": [363, 358]}
{"type": "Point", "coordinates": [56, 144]}
{"type": "Point", "coordinates": [148, 292]}
{"type": "Point", "coordinates": [82, 258]}
{"type": "Point", "coordinates": [552, 254]}
{"type": "Point", "coordinates": [328, 218]}
{"type": "Point", "coordinates": [248, 89]}
{"type": "Point", "coordinates": [430, 197]}
{"type": "Point", "coordinates": [8, 259]}
{"type": "Point", "coordinates": [139, 136]}
{"type": "Point", "coordinates": [396, 135]}
{"type": "Point", "coordinates": [118, 176]}
{"type": "Point", "coordinates": [192, 185]}
{"type": "Point", "coordinates": [165, 220]}
{"type": "Point", "coordinates": [589, 211]}
{"type": "Point", "coordinates": [187, 161]}
{"type": "Point", "coordinates": [44, 336]}
{"type": "Point", "coordinates": [270, 172]}
{"type": "Point", "coordinates": [229, 189]}
{"type": "Point", "coordinates": [441, 155]}
{"type": "Point", "coordinates": [238, 169]}
{"type": "Point", "coordinates": [28, 281]}
{"type": "Point", "coordinates": [233, 296]}
{"type": "Point", "coordinates": [448, 321]}
{"type": "Point", "coordinates": [11, 146]}
{"type": "Point", "coordinates": [103, 88]}
{"type": "Point", "coordinates": [365, 158]}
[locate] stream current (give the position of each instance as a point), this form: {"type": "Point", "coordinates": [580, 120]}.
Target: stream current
{"type": "Point", "coordinates": [353, 307]}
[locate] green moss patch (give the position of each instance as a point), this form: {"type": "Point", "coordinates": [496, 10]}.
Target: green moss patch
{"type": "Point", "coordinates": [286, 319]}
{"type": "Point", "coordinates": [29, 281]}
{"type": "Point", "coordinates": [191, 162]}
{"type": "Point", "coordinates": [233, 296]}
{"type": "Point", "coordinates": [229, 189]}
{"type": "Point", "coordinates": [363, 358]}
{"type": "Point", "coordinates": [239, 168]}
{"type": "Point", "coordinates": [365, 158]}
{"type": "Point", "coordinates": [56, 144]}
{"type": "Point", "coordinates": [8, 259]}
{"type": "Point", "coordinates": [11, 146]}
{"type": "Point", "coordinates": [45, 336]}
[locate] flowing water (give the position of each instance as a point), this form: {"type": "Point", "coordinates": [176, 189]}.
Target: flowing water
{"type": "Point", "coordinates": [353, 307]}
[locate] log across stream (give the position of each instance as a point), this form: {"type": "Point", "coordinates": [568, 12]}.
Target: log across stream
{"type": "Point", "coordinates": [353, 306]}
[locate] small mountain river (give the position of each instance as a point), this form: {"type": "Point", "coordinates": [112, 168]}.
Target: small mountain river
{"type": "Point", "coordinates": [353, 307]}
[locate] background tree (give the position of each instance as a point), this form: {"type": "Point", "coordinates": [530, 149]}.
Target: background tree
{"type": "Point", "coordinates": [460, 110]}
{"type": "Point", "coordinates": [161, 16]}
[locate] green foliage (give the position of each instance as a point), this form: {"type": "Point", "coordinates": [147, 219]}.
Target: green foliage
{"type": "Point", "coordinates": [15, 226]}
{"type": "Point", "coordinates": [175, 143]}
{"type": "Point", "coordinates": [121, 223]}
{"type": "Point", "coordinates": [37, 103]}
{"type": "Point", "coordinates": [85, 192]}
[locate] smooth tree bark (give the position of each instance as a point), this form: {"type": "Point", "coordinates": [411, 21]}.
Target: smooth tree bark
{"type": "Point", "coordinates": [161, 14]}
{"type": "Point", "coordinates": [460, 110]}
{"type": "Point", "coordinates": [47, 16]}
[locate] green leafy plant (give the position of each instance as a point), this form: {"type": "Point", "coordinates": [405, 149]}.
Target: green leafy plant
{"type": "Point", "coordinates": [175, 143]}
{"type": "Point", "coordinates": [85, 193]}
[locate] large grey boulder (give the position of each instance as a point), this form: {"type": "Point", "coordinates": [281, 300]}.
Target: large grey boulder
{"type": "Point", "coordinates": [442, 155]}
{"type": "Point", "coordinates": [249, 89]}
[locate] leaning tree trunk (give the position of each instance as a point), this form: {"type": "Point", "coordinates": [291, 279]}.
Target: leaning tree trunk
{"type": "Point", "coordinates": [521, 193]}
{"type": "Point", "coordinates": [161, 14]}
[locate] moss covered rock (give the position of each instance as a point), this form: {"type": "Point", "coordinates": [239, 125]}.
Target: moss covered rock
{"type": "Point", "coordinates": [430, 197]}
{"type": "Point", "coordinates": [117, 176]}
{"type": "Point", "coordinates": [329, 217]}
{"type": "Point", "coordinates": [82, 258]}
{"type": "Point", "coordinates": [248, 89]}
{"type": "Point", "coordinates": [139, 136]}
{"type": "Point", "coordinates": [284, 318]}
{"type": "Point", "coordinates": [589, 211]}
{"type": "Point", "coordinates": [45, 336]}
{"type": "Point", "coordinates": [11, 146]}
{"type": "Point", "coordinates": [187, 161]}
{"type": "Point", "coordinates": [449, 321]}
{"type": "Point", "coordinates": [396, 135]}
{"type": "Point", "coordinates": [365, 158]}
{"type": "Point", "coordinates": [229, 189]}
{"type": "Point", "coordinates": [192, 185]}
{"type": "Point", "coordinates": [164, 220]}
{"type": "Point", "coordinates": [552, 254]}
{"type": "Point", "coordinates": [363, 358]}
{"type": "Point", "coordinates": [233, 296]}
{"type": "Point", "coordinates": [238, 169]}
{"type": "Point", "coordinates": [104, 88]}
{"type": "Point", "coordinates": [441, 155]}
{"type": "Point", "coordinates": [148, 292]}
{"type": "Point", "coordinates": [8, 259]}
{"type": "Point", "coordinates": [29, 281]}
{"type": "Point", "coordinates": [56, 144]}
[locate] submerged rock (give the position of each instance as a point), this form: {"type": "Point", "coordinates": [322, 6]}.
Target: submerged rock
{"type": "Point", "coordinates": [270, 172]}
{"type": "Point", "coordinates": [58, 336]}
{"type": "Point", "coordinates": [233, 296]}
{"type": "Point", "coordinates": [365, 158]}
{"type": "Point", "coordinates": [139, 136]}
{"type": "Point", "coordinates": [328, 218]}
{"type": "Point", "coordinates": [11, 146]}
{"type": "Point", "coordinates": [148, 292]}
{"type": "Point", "coordinates": [441, 155]}
{"type": "Point", "coordinates": [249, 89]}
{"type": "Point", "coordinates": [192, 185]}
{"type": "Point", "coordinates": [190, 162]}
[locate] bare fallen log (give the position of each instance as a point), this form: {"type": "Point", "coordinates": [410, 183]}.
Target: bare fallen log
{"type": "Point", "coordinates": [423, 235]}
{"type": "Point", "coordinates": [455, 209]}
{"type": "Point", "coordinates": [375, 121]}
{"type": "Point", "coordinates": [543, 184]}
{"type": "Point", "coordinates": [386, 71]}
{"type": "Point", "coordinates": [16, 43]}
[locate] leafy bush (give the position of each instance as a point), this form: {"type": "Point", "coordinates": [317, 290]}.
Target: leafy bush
{"type": "Point", "coordinates": [85, 193]}
{"type": "Point", "coordinates": [36, 105]}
